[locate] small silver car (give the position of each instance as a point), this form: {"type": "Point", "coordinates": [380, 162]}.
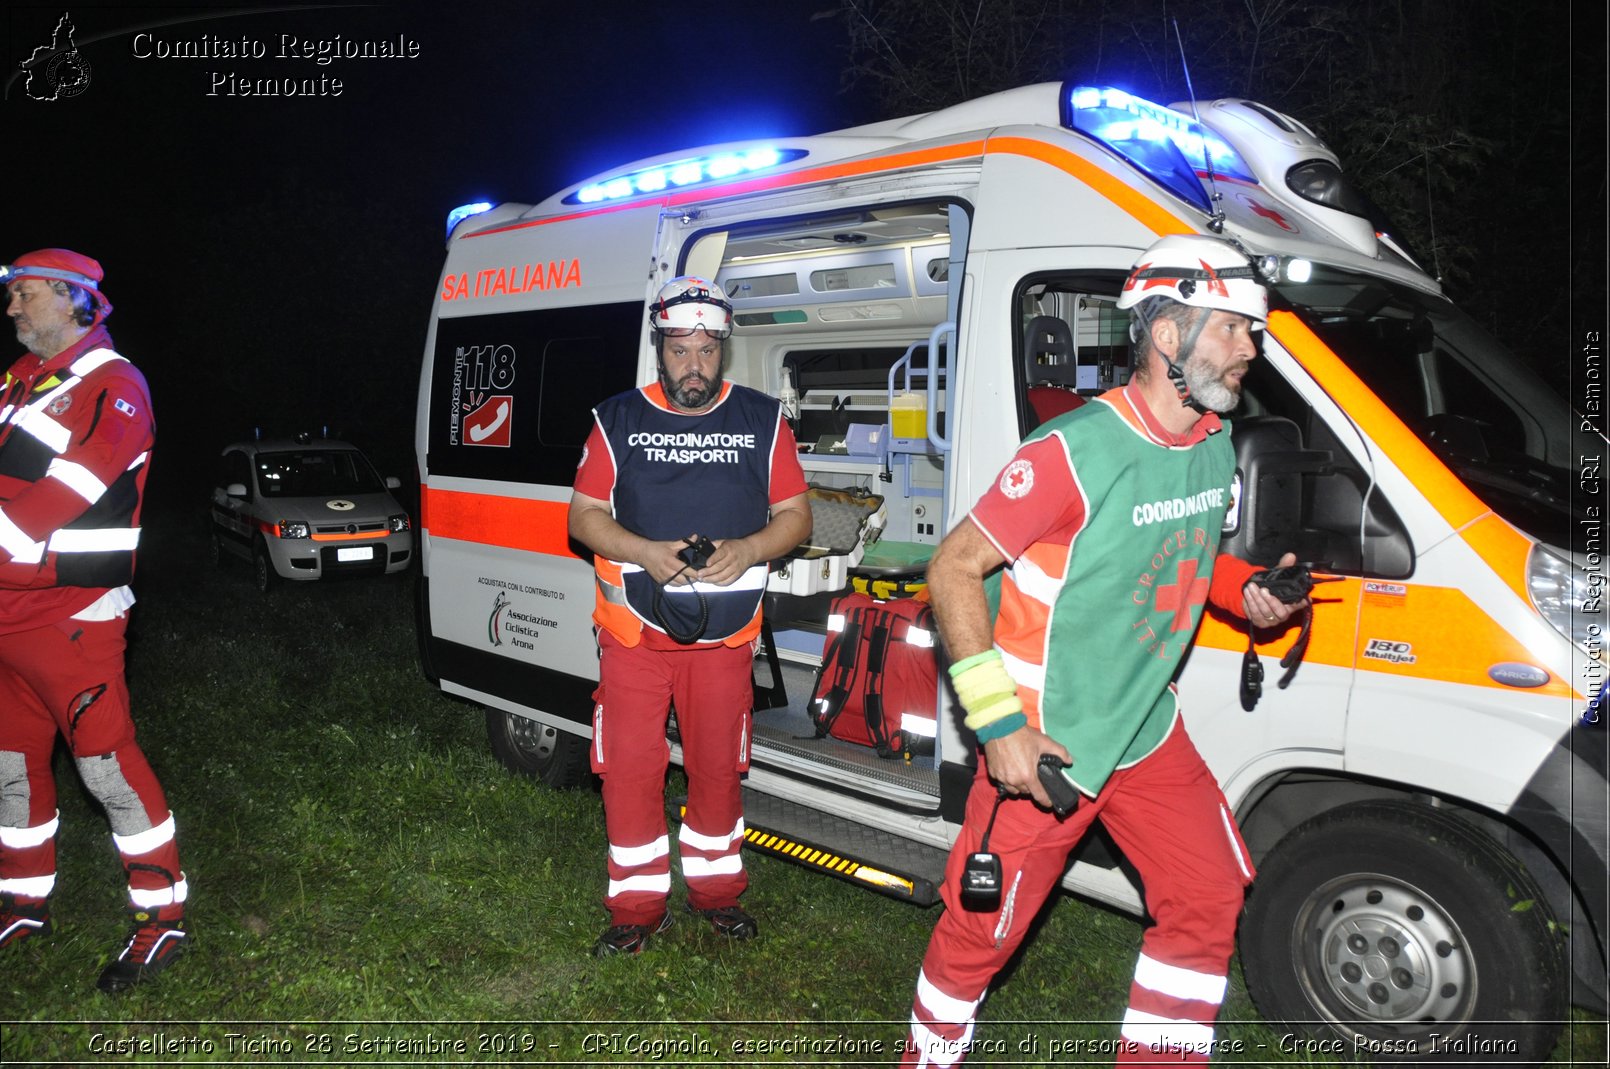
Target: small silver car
{"type": "Point", "coordinates": [307, 508]}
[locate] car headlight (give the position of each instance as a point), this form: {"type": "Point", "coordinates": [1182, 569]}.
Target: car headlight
{"type": "Point", "coordinates": [293, 529]}
{"type": "Point", "coordinates": [1567, 598]}
{"type": "Point", "coordinates": [398, 523]}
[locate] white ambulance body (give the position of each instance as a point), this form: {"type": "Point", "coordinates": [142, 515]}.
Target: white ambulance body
{"type": "Point", "coordinates": [1426, 800]}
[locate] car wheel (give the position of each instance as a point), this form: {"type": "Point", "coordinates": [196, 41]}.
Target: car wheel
{"type": "Point", "coordinates": [215, 548]}
{"type": "Point", "coordinates": [541, 751]}
{"type": "Point", "coordinates": [1405, 934]}
{"type": "Point", "coordinates": [263, 573]}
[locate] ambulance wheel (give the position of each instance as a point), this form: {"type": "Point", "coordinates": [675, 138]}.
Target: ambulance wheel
{"type": "Point", "coordinates": [541, 751]}
{"type": "Point", "coordinates": [215, 548]}
{"type": "Point", "coordinates": [263, 574]}
{"type": "Point", "coordinates": [1397, 932]}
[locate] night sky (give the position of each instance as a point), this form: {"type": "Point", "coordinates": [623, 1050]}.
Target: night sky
{"type": "Point", "coordinates": [272, 259]}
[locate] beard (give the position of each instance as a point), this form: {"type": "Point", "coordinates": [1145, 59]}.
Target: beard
{"type": "Point", "coordinates": [1208, 386]}
{"type": "Point", "coordinates": [693, 391]}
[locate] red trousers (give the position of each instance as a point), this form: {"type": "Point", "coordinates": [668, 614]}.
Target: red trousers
{"type": "Point", "coordinates": [67, 678]}
{"type": "Point", "coordinates": [1168, 815]}
{"type": "Point", "coordinates": [712, 688]}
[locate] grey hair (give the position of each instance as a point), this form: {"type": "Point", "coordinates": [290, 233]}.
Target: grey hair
{"type": "Point", "coordinates": [84, 307]}
{"type": "Point", "coordinates": [1141, 318]}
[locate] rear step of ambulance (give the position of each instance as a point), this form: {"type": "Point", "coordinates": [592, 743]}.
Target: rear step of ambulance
{"type": "Point", "coordinates": [854, 852]}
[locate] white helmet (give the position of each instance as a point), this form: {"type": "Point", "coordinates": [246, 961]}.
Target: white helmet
{"type": "Point", "coordinates": [1199, 271]}
{"type": "Point", "coordinates": [687, 304]}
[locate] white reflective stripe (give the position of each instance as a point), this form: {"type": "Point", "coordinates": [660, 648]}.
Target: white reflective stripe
{"type": "Point", "coordinates": [699, 841]}
{"type": "Point", "coordinates": [694, 868]}
{"type": "Point", "coordinates": [752, 579]}
{"type": "Point", "coordinates": [91, 360]}
{"type": "Point", "coordinates": [23, 838]}
{"type": "Point", "coordinates": [94, 540]}
{"type": "Point", "coordinates": [835, 621]}
{"type": "Point", "coordinates": [17, 923]}
{"type": "Point", "coordinates": [660, 884]}
{"type": "Point", "coordinates": [144, 842]}
{"type": "Point", "coordinates": [933, 1049]}
{"type": "Point", "coordinates": [630, 857]}
{"type": "Point", "coordinates": [29, 886]}
{"type": "Point", "coordinates": [37, 423]}
{"type": "Point", "coordinates": [15, 541]}
{"type": "Point", "coordinates": [144, 898]}
{"type": "Point", "coordinates": [168, 936]}
{"type": "Point", "coordinates": [1032, 580]}
{"type": "Point", "coordinates": [1165, 1033]}
{"type": "Point", "coordinates": [137, 461]}
{"type": "Point", "coordinates": [1176, 982]}
{"type": "Point", "coordinates": [945, 1007]}
{"type": "Point", "coordinates": [916, 724]}
{"type": "Point", "coordinates": [78, 478]}
{"type": "Point", "coordinates": [109, 606]}
{"type": "Point", "coordinates": [1235, 842]}
{"type": "Point", "coordinates": [920, 636]}
{"type": "Point", "coordinates": [1023, 672]}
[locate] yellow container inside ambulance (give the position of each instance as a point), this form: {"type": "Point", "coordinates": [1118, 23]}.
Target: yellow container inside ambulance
{"type": "Point", "coordinates": [1425, 796]}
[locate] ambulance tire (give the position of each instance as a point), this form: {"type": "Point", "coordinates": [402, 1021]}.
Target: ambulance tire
{"type": "Point", "coordinates": [215, 548]}
{"type": "Point", "coordinates": [264, 577]}
{"type": "Point", "coordinates": [541, 751]}
{"type": "Point", "coordinates": [1381, 923]}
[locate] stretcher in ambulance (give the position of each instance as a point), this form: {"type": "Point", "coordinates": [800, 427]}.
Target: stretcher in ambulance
{"type": "Point", "coordinates": [1425, 800]}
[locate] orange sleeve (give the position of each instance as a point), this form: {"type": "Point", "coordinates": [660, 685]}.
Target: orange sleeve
{"type": "Point", "coordinates": [1230, 574]}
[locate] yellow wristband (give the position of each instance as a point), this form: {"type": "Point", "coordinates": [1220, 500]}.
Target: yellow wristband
{"type": "Point", "coordinates": [987, 693]}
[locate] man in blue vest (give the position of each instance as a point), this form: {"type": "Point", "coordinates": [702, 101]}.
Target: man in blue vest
{"type": "Point", "coordinates": [75, 437]}
{"type": "Point", "coordinates": [687, 489]}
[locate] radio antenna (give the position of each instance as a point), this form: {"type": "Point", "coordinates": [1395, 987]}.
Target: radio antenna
{"type": "Point", "coordinates": [1216, 217]}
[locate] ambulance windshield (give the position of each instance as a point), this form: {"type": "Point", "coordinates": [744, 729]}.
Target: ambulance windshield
{"type": "Point", "coordinates": [1491, 418]}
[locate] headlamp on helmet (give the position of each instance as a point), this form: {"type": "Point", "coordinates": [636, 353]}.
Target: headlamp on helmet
{"type": "Point", "coordinates": [688, 304]}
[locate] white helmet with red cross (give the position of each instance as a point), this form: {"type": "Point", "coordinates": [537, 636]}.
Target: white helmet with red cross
{"type": "Point", "coordinates": [1198, 271]}
{"type": "Point", "coordinates": [690, 303]}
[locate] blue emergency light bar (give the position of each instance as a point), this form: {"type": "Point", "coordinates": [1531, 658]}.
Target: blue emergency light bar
{"type": "Point", "coordinates": [1168, 147]}
{"type": "Point", "coordinates": [694, 171]}
{"type": "Point", "coordinates": [463, 212]}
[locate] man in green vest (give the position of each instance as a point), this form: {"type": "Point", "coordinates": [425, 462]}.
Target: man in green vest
{"type": "Point", "coordinates": [1107, 520]}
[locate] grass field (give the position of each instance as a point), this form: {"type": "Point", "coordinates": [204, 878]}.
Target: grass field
{"type": "Point", "coordinates": [369, 886]}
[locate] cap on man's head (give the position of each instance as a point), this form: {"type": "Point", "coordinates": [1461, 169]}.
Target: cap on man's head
{"type": "Point", "coordinates": [60, 265]}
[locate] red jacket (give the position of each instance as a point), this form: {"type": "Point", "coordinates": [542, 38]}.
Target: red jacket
{"type": "Point", "coordinates": [75, 439]}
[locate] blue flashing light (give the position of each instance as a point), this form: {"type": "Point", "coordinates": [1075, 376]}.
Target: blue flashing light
{"type": "Point", "coordinates": [463, 212]}
{"type": "Point", "coordinates": [684, 173]}
{"type": "Point", "coordinates": [1170, 148]}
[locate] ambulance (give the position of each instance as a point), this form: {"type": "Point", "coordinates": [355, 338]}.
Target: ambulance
{"type": "Point", "coordinates": [1425, 800]}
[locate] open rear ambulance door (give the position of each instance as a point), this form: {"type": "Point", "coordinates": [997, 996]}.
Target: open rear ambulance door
{"type": "Point", "coordinates": [537, 320]}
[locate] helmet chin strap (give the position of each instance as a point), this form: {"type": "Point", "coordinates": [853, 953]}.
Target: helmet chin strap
{"type": "Point", "coordinates": [1176, 366]}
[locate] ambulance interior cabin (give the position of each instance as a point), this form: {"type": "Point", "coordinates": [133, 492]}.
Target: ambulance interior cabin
{"type": "Point", "coordinates": [834, 315]}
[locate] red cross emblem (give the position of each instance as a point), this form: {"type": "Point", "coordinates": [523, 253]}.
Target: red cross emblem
{"type": "Point", "coordinates": [1184, 594]}
{"type": "Point", "coordinates": [1270, 214]}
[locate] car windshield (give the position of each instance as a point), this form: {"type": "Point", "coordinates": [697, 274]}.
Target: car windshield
{"type": "Point", "coordinates": [316, 473]}
{"type": "Point", "coordinates": [1491, 419]}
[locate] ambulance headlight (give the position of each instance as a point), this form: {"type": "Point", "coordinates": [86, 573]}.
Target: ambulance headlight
{"type": "Point", "coordinates": [293, 529]}
{"type": "Point", "coordinates": [398, 523]}
{"type": "Point", "coordinates": [1564, 594]}
{"type": "Point", "coordinates": [1298, 271]}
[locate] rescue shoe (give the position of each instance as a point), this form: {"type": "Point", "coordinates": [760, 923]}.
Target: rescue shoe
{"type": "Point", "coordinates": [731, 921]}
{"type": "Point", "coordinates": [629, 938]}
{"type": "Point", "coordinates": [152, 947]}
{"type": "Point", "coordinates": [20, 922]}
